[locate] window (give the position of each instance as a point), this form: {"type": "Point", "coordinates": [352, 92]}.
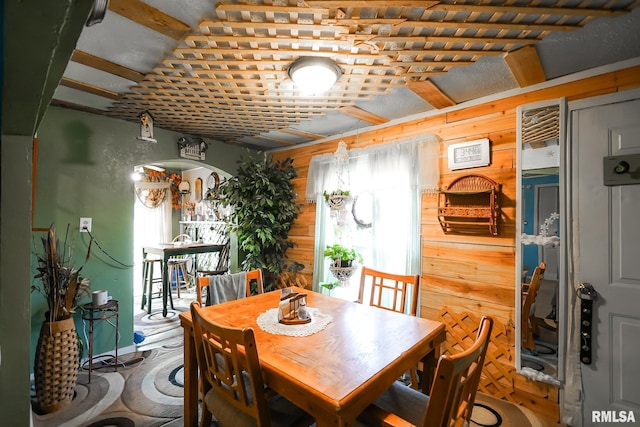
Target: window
{"type": "Point", "coordinates": [391, 177]}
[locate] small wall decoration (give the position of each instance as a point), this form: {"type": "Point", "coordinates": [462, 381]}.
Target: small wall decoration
{"type": "Point", "coordinates": [470, 154]}
{"type": "Point", "coordinates": [146, 127]}
{"type": "Point", "coordinates": [192, 148]}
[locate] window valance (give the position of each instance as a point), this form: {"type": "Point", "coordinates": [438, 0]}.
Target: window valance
{"type": "Point", "coordinates": [424, 149]}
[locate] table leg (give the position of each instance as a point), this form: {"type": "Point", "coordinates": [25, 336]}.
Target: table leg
{"type": "Point", "coordinates": [166, 285]}
{"type": "Point", "coordinates": [90, 345]}
{"type": "Point", "coordinates": [429, 365]}
{"type": "Point", "coordinates": [190, 380]}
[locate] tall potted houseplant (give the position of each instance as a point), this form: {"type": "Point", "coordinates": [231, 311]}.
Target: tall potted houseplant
{"type": "Point", "coordinates": [264, 207]}
{"type": "Point", "coordinates": [57, 353]}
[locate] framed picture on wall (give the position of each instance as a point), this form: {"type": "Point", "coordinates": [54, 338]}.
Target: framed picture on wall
{"type": "Point", "coordinates": [470, 154]}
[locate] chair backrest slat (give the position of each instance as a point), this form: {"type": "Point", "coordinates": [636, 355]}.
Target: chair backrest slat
{"type": "Point", "coordinates": [395, 292]}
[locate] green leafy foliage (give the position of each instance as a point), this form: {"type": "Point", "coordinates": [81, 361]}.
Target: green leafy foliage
{"type": "Point", "coordinates": [338, 192]}
{"type": "Point", "coordinates": [342, 253]}
{"type": "Point", "coordinates": [264, 208]}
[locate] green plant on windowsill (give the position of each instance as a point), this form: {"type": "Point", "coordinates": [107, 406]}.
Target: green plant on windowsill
{"type": "Point", "coordinates": [342, 256]}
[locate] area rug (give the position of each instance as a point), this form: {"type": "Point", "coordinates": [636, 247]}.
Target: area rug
{"type": "Point", "coordinates": [154, 330]}
{"type": "Point", "coordinates": [146, 390]}
{"type": "Point", "coordinates": [491, 412]}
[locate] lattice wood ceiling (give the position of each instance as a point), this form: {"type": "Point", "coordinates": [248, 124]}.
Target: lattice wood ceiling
{"type": "Point", "coordinates": [227, 79]}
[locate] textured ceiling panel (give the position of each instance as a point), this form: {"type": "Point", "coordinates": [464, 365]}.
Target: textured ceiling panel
{"type": "Point", "coordinates": [219, 69]}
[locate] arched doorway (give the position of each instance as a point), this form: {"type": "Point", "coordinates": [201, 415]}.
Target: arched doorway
{"type": "Point", "coordinates": [160, 221]}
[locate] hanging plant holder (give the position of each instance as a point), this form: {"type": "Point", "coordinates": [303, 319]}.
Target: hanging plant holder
{"type": "Point", "coordinates": [338, 202]}
{"type": "Point", "coordinates": [343, 274]}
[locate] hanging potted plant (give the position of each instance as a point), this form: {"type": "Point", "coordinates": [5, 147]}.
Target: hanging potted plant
{"type": "Point", "coordinates": [337, 199]}
{"type": "Point", "coordinates": [342, 256]}
{"type": "Point", "coordinates": [343, 262]}
{"type": "Point", "coordinates": [57, 352]}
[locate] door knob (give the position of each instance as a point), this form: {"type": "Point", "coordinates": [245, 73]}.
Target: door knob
{"type": "Point", "coordinates": [622, 167]}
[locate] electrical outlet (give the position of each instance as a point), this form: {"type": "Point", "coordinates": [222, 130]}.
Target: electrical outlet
{"type": "Point", "coordinates": [85, 225]}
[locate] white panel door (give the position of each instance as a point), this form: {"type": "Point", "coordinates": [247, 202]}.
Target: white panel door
{"type": "Point", "coordinates": [608, 236]}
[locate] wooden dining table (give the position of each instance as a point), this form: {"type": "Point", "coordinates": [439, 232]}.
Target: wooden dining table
{"type": "Point", "coordinates": [168, 250]}
{"type": "Point", "coordinates": [333, 374]}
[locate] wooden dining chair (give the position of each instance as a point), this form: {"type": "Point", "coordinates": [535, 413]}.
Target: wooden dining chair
{"type": "Point", "coordinates": [203, 282]}
{"type": "Point", "coordinates": [232, 384]}
{"type": "Point", "coordinates": [528, 322]}
{"type": "Point", "coordinates": [394, 292]}
{"type": "Point", "coordinates": [450, 401]}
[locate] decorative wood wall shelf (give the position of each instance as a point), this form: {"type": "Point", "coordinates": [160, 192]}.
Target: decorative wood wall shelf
{"type": "Point", "coordinates": [470, 206]}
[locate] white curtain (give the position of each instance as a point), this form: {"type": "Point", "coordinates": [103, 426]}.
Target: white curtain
{"type": "Point", "coordinates": [394, 175]}
{"type": "Point", "coordinates": [151, 225]}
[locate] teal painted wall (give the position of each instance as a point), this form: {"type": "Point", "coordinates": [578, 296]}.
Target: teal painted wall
{"type": "Point", "coordinates": [84, 164]}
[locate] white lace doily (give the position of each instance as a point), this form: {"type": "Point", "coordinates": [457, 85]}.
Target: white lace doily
{"type": "Point", "coordinates": [268, 322]}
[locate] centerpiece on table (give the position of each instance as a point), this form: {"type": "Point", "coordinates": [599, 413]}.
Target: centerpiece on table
{"type": "Point", "coordinates": [344, 261]}
{"type": "Point", "coordinates": [292, 309]}
{"type": "Point", "coordinates": [57, 358]}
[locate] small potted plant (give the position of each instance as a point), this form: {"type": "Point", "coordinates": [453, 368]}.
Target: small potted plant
{"type": "Point", "coordinates": [342, 256]}
{"type": "Point", "coordinates": [343, 262]}
{"type": "Point", "coordinates": [337, 199]}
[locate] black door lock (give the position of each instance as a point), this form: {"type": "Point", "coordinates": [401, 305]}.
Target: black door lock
{"type": "Point", "coordinates": [587, 295]}
{"type": "Point", "coordinates": [622, 167]}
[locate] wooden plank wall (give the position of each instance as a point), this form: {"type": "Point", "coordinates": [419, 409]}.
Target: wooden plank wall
{"type": "Point", "coordinates": [464, 273]}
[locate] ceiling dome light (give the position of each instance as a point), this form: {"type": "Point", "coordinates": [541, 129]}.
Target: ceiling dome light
{"type": "Point", "coordinates": [314, 75]}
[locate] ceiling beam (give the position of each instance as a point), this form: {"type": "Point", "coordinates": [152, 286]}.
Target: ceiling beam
{"type": "Point", "coordinates": [102, 64]}
{"type": "Point", "coordinates": [150, 17]}
{"type": "Point", "coordinates": [78, 107]}
{"type": "Point", "coordinates": [361, 114]}
{"type": "Point", "coordinates": [528, 10]}
{"type": "Point", "coordinates": [274, 140]}
{"type": "Point", "coordinates": [370, 3]}
{"type": "Point", "coordinates": [302, 133]}
{"type": "Point", "coordinates": [428, 91]}
{"type": "Point", "coordinates": [525, 65]}
{"type": "Point", "coordinates": [224, 7]}
{"type": "Point", "coordinates": [84, 87]}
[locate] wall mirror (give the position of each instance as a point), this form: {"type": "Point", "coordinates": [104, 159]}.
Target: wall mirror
{"type": "Point", "coordinates": [541, 295]}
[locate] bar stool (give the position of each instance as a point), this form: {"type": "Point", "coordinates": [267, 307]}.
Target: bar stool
{"type": "Point", "coordinates": [148, 281]}
{"type": "Point", "coordinates": [178, 269]}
